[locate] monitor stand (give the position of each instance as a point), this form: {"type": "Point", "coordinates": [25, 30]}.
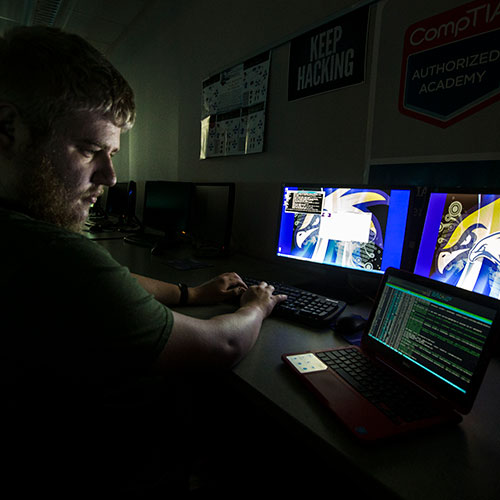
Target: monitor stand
{"type": "Point", "coordinates": [343, 285]}
{"type": "Point", "coordinates": [364, 286]}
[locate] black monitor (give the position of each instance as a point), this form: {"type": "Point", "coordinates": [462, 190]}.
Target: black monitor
{"type": "Point", "coordinates": [460, 242]}
{"type": "Point", "coordinates": [360, 229]}
{"type": "Point", "coordinates": [120, 200]}
{"type": "Point", "coordinates": [213, 218]}
{"type": "Point", "coordinates": [117, 199]}
{"type": "Point", "coordinates": [167, 207]}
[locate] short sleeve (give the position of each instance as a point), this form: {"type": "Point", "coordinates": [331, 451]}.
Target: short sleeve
{"type": "Point", "coordinates": [127, 327]}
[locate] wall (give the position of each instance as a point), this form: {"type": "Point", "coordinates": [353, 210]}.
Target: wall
{"type": "Point", "coordinates": [326, 138]}
{"type": "Point", "coordinates": [397, 136]}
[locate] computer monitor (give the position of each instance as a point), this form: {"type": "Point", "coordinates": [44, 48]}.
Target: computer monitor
{"type": "Point", "coordinates": [167, 207]}
{"type": "Point", "coordinates": [117, 199]}
{"type": "Point", "coordinates": [460, 242]}
{"type": "Point", "coordinates": [362, 228]}
{"type": "Point", "coordinates": [212, 218]}
{"type": "Point", "coordinates": [120, 200]}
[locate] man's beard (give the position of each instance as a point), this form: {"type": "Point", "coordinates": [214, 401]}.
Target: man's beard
{"type": "Point", "coordinates": [45, 196]}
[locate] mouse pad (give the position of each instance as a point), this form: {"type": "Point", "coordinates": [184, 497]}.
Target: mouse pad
{"type": "Point", "coordinates": [354, 339]}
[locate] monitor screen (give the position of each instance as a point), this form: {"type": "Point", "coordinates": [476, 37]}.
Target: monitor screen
{"type": "Point", "coordinates": [117, 199]}
{"type": "Point", "coordinates": [120, 200]}
{"type": "Point", "coordinates": [213, 216]}
{"type": "Point", "coordinates": [436, 331]}
{"type": "Point", "coordinates": [362, 228]}
{"type": "Point", "coordinates": [460, 242]}
{"type": "Point", "coordinates": [167, 206]}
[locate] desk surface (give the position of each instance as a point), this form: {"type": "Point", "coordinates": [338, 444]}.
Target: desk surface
{"type": "Point", "coordinates": [461, 461]}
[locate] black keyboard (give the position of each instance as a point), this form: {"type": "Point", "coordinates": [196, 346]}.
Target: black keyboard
{"type": "Point", "coordinates": [398, 401]}
{"type": "Point", "coordinates": [302, 306]}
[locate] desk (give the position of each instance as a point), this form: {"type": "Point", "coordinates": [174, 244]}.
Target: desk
{"type": "Point", "coordinates": [458, 462]}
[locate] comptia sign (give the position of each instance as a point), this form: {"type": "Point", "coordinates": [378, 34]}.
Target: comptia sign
{"type": "Point", "coordinates": [451, 64]}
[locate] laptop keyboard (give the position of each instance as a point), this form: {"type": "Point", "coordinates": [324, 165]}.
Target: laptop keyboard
{"type": "Point", "coordinates": [396, 400]}
{"type": "Point", "coordinates": [302, 306]}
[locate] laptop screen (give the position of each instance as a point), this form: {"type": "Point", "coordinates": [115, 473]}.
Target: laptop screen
{"type": "Point", "coordinates": [436, 332]}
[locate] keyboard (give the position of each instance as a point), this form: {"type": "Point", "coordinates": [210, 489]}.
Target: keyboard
{"type": "Point", "coordinates": [303, 306]}
{"type": "Point", "coordinates": [395, 399]}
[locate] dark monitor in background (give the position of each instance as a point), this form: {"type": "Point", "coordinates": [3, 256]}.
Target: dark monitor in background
{"type": "Point", "coordinates": [117, 199]}
{"type": "Point", "coordinates": [460, 242]}
{"type": "Point", "coordinates": [363, 230]}
{"type": "Point", "coordinates": [212, 218]}
{"type": "Point", "coordinates": [167, 208]}
{"type": "Point", "coordinates": [120, 200]}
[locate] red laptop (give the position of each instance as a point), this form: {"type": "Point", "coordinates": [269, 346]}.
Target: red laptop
{"type": "Point", "coordinates": [423, 356]}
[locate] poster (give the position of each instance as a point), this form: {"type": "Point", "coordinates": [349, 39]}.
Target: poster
{"type": "Point", "coordinates": [329, 57]}
{"type": "Point", "coordinates": [451, 64]}
{"type": "Point", "coordinates": [233, 109]}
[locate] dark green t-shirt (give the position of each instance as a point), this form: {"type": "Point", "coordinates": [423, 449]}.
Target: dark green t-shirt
{"type": "Point", "coordinates": [78, 338]}
{"type": "Point", "coordinates": [79, 308]}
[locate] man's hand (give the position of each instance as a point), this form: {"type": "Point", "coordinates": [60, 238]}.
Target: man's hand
{"type": "Point", "coordinates": [261, 296]}
{"type": "Point", "coordinates": [222, 288]}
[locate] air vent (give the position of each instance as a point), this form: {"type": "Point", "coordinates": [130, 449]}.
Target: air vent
{"type": "Point", "coordinates": [45, 12]}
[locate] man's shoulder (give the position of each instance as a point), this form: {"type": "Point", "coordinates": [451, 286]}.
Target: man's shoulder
{"type": "Point", "coordinates": [27, 235]}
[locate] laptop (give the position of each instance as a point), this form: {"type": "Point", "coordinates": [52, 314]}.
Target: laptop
{"type": "Point", "coordinates": [426, 347]}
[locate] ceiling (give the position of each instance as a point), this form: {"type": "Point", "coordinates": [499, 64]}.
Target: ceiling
{"type": "Point", "coordinates": [101, 22]}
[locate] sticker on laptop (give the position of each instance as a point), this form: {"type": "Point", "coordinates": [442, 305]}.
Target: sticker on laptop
{"type": "Point", "coordinates": [306, 363]}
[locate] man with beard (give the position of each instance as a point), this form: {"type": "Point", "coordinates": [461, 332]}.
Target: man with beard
{"type": "Point", "coordinates": [89, 351]}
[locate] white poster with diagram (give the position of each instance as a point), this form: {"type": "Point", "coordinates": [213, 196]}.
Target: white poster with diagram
{"type": "Point", "coordinates": [233, 109]}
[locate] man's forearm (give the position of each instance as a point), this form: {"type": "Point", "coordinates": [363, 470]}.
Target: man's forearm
{"type": "Point", "coordinates": [166, 293]}
{"type": "Point", "coordinates": [219, 342]}
{"type": "Point", "coordinates": [227, 286]}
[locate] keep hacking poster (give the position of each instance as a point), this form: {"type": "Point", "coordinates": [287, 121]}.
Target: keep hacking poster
{"type": "Point", "coordinates": [329, 57]}
{"type": "Point", "coordinates": [451, 64]}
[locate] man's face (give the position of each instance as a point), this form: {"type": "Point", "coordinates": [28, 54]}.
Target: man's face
{"type": "Point", "coordinates": [66, 175]}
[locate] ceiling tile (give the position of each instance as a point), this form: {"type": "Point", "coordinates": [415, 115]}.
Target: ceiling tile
{"type": "Point", "coordinates": [101, 22]}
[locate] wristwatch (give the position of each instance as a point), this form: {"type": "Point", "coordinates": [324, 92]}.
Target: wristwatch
{"type": "Point", "coordinates": [184, 293]}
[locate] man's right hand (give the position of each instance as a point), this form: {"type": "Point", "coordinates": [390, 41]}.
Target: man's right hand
{"type": "Point", "coordinates": [261, 296]}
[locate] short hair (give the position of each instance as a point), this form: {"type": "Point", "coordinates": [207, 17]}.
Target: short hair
{"type": "Point", "coordinates": [47, 73]}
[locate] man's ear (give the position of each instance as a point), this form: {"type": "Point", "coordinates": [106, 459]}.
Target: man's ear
{"type": "Point", "coordinates": [9, 128]}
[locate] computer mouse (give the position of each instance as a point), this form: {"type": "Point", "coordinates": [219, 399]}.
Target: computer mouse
{"type": "Point", "coordinates": [350, 324]}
